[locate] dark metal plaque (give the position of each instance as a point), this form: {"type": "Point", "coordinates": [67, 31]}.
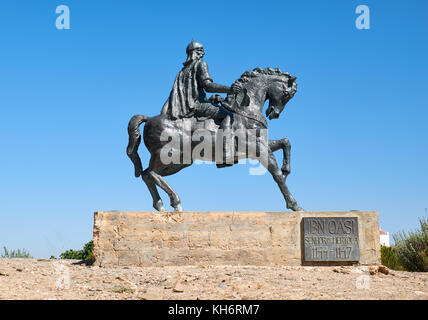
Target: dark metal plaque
{"type": "Point", "coordinates": [330, 239]}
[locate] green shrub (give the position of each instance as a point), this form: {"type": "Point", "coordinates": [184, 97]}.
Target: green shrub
{"type": "Point", "coordinates": [412, 248]}
{"type": "Point", "coordinates": [84, 254]}
{"type": "Point", "coordinates": [15, 253]}
{"type": "Point", "coordinates": [389, 258]}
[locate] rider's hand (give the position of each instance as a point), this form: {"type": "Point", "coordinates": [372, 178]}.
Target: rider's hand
{"type": "Point", "coordinates": [216, 98]}
{"type": "Point", "coordinates": [236, 88]}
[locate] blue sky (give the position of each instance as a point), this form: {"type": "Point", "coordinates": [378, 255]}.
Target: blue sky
{"type": "Point", "coordinates": [357, 125]}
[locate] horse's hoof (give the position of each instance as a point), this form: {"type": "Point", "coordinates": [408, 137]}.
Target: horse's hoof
{"type": "Point", "coordinates": [159, 206]}
{"type": "Point", "coordinates": [178, 208]}
{"type": "Point", "coordinates": [295, 207]}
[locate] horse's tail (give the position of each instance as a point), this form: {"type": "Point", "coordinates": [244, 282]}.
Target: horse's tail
{"type": "Point", "coordinates": [134, 142]}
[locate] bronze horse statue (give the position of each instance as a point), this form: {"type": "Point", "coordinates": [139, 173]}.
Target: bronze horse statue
{"type": "Point", "coordinates": [258, 85]}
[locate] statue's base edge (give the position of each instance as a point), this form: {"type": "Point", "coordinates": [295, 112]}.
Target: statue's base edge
{"type": "Point", "coordinates": [218, 238]}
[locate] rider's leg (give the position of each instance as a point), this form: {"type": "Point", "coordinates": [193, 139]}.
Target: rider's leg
{"type": "Point", "coordinates": [226, 135]}
{"type": "Point", "coordinates": [224, 118]}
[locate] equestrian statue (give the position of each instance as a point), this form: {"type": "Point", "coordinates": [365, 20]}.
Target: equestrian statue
{"type": "Point", "coordinates": [232, 128]}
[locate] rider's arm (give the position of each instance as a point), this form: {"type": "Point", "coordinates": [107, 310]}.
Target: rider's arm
{"type": "Point", "coordinates": [210, 86]}
{"type": "Point", "coordinates": [207, 81]}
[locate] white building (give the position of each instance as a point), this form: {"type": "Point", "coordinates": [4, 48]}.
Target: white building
{"type": "Point", "coordinates": [384, 238]}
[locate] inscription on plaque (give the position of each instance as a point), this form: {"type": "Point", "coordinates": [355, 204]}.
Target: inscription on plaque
{"type": "Point", "coordinates": [330, 239]}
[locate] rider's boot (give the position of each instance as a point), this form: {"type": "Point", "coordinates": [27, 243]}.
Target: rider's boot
{"type": "Point", "coordinates": [227, 154]}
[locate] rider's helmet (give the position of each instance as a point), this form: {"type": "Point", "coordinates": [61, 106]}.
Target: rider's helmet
{"type": "Point", "coordinates": [190, 50]}
{"type": "Point", "coordinates": [192, 46]}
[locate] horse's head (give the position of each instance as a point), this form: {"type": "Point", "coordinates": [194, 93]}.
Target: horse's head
{"type": "Point", "coordinates": [266, 84]}
{"type": "Point", "coordinates": [279, 92]}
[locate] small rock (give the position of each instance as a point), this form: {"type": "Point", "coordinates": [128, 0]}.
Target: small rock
{"type": "Point", "coordinates": [373, 270]}
{"type": "Point", "coordinates": [178, 288]}
{"type": "Point", "coordinates": [149, 296]}
{"type": "Point", "coordinates": [19, 269]}
{"type": "Point", "coordinates": [341, 270]}
{"type": "Point", "coordinates": [420, 293]}
{"type": "Point", "coordinates": [383, 269]}
{"type": "Point", "coordinates": [4, 274]}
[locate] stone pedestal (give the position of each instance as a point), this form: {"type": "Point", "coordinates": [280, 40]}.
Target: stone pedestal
{"type": "Point", "coordinates": [217, 238]}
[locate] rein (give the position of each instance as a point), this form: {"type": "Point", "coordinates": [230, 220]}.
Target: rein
{"type": "Point", "coordinates": [259, 118]}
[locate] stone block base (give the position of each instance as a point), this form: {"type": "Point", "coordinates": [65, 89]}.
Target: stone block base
{"type": "Point", "coordinates": [216, 238]}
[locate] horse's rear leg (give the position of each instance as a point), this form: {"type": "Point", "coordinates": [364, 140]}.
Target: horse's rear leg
{"type": "Point", "coordinates": [175, 200]}
{"type": "Point", "coordinates": [157, 201]}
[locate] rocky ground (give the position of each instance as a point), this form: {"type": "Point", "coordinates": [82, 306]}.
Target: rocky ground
{"type": "Point", "coordinates": [68, 279]}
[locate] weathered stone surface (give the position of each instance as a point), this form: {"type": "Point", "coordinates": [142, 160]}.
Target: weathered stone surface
{"type": "Point", "coordinates": [215, 238]}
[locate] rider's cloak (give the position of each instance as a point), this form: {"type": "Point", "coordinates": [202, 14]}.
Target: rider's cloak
{"type": "Point", "coordinates": [187, 91]}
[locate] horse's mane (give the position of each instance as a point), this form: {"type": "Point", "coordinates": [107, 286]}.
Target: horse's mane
{"type": "Point", "coordinates": [247, 75]}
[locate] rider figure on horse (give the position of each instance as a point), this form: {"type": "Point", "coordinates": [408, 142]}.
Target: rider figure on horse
{"type": "Point", "coordinates": [188, 99]}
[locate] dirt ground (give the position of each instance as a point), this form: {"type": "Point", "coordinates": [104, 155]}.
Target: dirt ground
{"type": "Point", "coordinates": [68, 279]}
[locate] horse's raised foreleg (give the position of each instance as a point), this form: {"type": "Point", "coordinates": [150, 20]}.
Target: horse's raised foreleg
{"type": "Point", "coordinates": [271, 165]}
{"type": "Point", "coordinates": [283, 144]}
{"type": "Point", "coordinates": [157, 201]}
{"type": "Point", "coordinates": [159, 181]}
